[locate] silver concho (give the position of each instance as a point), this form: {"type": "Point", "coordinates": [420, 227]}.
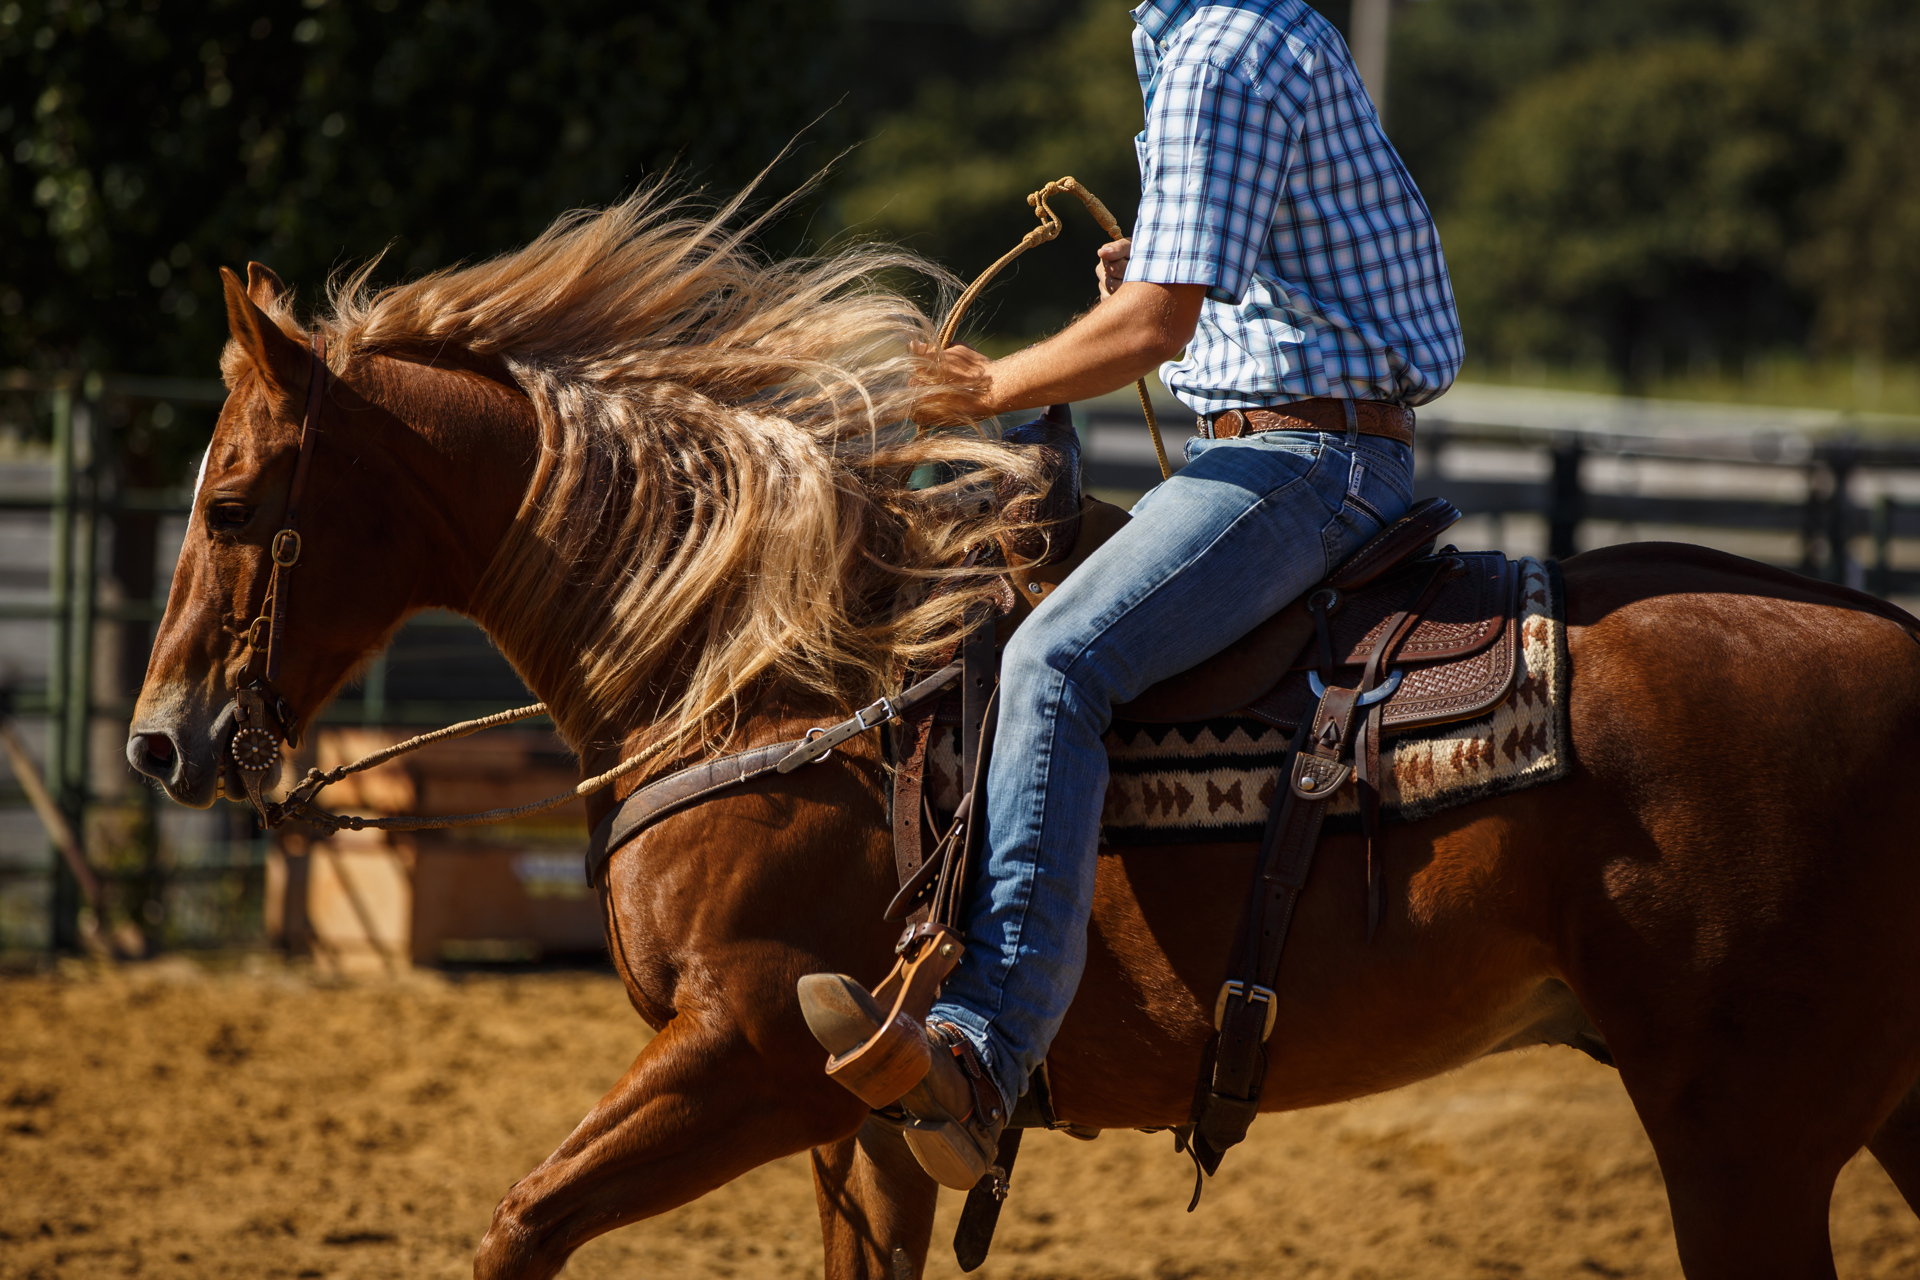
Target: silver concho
{"type": "Point", "coordinates": [255, 750]}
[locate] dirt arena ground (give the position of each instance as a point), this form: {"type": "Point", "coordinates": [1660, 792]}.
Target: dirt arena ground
{"type": "Point", "coordinates": [167, 1121]}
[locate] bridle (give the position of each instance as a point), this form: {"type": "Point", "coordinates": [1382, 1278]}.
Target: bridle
{"type": "Point", "coordinates": [263, 720]}
{"type": "Point", "coordinates": [262, 717]}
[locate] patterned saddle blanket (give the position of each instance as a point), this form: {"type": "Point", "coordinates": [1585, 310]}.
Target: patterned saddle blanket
{"type": "Point", "coordinates": [1491, 721]}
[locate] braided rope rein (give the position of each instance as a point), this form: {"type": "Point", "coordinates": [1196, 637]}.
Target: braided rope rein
{"type": "Point", "coordinates": [299, 802]}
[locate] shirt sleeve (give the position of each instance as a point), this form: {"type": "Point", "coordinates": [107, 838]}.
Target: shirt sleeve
{"type": "Point", "coordinates": [1214, 161]}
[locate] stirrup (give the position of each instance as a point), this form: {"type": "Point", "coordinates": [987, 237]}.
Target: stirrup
{"type": "Point", "coordinates": [881, 1067]}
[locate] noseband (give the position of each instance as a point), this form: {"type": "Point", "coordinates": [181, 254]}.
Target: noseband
{"type": "Point", "coordinates": [262, 718]}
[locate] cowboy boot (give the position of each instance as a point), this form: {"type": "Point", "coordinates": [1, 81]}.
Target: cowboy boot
{"type": "Point", "coordinates": [954, 1114]}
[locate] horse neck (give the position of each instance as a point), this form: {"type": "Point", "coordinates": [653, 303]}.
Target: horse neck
{"type": "Point", "coordinates": [461, 444]}
{"type": "Point", "coordinates": [474, 445]}
{"type": "Point", "coordinates": [466, 453]}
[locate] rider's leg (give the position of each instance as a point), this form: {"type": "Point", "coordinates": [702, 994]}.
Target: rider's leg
{"type": "Point", "coordinates": [1245, 528]}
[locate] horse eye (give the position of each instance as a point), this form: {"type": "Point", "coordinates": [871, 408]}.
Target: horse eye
{"type": "Point", "coordinates": [228, 515]}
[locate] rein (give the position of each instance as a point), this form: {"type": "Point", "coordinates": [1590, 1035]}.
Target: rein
{"type": "Point", "coordinates": [263, 720]}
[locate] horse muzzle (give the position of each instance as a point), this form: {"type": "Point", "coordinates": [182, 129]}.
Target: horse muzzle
{"type": "Point", "coordinates": [187, 754]}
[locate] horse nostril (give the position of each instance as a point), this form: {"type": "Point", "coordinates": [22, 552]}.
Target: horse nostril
{"type": "Point", "coordinates": [151, 753]}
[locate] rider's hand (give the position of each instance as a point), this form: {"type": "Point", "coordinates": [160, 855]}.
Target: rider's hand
{"type": "Point", "coordinates": [1111, 269]}
{"type": "Point", "coordinates": [960, 385]}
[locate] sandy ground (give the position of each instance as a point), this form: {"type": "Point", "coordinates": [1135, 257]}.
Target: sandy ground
{"type": "Point", "coordinates": [169, 1122]}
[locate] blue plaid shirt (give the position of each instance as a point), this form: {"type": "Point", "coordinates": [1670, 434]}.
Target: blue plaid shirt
{"type": "Point", "coordinates": [1265, 176]}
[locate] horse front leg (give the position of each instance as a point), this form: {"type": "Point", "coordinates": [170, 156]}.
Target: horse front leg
{"type": "Point", "coordinates": [700, 1106]}
{"type": "Point", "coordinates": [876, 1206]}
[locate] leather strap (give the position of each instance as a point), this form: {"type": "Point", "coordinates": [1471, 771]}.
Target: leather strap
{"type": "Point", "coordinates": [285, 547]}
{"type": "Point", "coordinates": [913, 738]}
{"type": "Point", "coordinates": [697, 783]}
{"type": "Point", "coordinates": [1320, 413]}
{"type": "Point", "coordinates": [981, 1213]}
{"type": "Point", "coordinates": [677, 791]}
{"type": "Point", "coordinates": [1245, 1010]}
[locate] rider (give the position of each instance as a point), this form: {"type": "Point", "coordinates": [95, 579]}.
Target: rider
{"type": "Point", "coordinates": [1281, 245]}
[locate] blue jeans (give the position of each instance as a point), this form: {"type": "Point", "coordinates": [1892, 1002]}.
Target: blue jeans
{"type": "Point", "coordinates": [1243, 529]}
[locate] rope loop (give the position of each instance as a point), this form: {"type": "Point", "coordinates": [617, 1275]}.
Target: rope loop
{"type": "Point", "coordinates": [1049, 229]}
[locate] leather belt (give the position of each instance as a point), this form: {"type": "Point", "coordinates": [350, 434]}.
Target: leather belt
{"type": "Point", "coordinates": [1321, 413]}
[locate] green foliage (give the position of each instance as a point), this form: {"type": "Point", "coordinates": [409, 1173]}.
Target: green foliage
{"type": "Point", "coordinates": [950, 173]}
{"type": "Point", "coordinates": [1654, 177]}
{"type": "Point", "coordinates": [143, 143]}
{"type": "Point", "coordinates": [1690, 175]}
{"type": "Point", "coordinates": [1638, 197]}
{"type": "Point", "coordinates": [1454, 63]}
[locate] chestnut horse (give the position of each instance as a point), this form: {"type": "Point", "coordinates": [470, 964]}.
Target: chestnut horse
{"type": "Point", "coordinates": [1725, 890]}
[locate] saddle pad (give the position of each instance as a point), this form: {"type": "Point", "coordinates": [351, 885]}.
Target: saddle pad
{"type": "Point", "coordinates": [1215, 780]}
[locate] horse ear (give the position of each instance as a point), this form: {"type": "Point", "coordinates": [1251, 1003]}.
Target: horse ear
{"type": "Point", "coordinates": [281, 360]}
{"type": "Point", "coordinates": [263, 286]}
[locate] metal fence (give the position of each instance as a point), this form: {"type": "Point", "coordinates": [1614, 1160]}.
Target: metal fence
{"type": "Point", "coordinates": [79, 597]}
{"type": "Point", "coordinates": [1838, 508]}
{"type": "Point", "coordinates": [77, 610]}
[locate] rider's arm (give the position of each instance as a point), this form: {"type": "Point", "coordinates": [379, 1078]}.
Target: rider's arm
{"type": "Point", "coordinates": [1129, 334]}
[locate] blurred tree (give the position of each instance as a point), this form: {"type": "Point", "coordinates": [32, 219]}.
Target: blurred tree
{"type": "Point", "coordinates": [949, 173]}
{"type": "Point", "coordinates": [1639, 202]}
{"type": "Point", "coordinates": [1670, 177]}
{"type": "Point", "coordinates": [1454, 63]}
{"type": "Point", "coordinates": [1860, 261]}
{"type": "Point", "coordinates": [145, 142]}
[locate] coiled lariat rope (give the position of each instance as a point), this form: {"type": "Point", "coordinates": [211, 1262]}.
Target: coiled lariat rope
{"type": "Point", "coordinates": [299, 802]}
{"type": "Point", "coordinates": [1049, 229]}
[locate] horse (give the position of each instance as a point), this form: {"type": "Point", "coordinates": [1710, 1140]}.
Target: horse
{"type": "Point", "coordinates": [670, 478]}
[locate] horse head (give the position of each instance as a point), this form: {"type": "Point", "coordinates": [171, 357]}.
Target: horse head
{"type": "Point", "coordinates": [659, 469]}
{"type": "Point", "coordinates": [399, 512]}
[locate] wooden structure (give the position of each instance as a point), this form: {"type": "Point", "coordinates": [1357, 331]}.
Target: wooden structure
{"type": "Point", "coordinates": [371, 899]}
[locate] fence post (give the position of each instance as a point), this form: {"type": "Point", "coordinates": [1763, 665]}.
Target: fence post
{"type": "Point", "coordinates": [64, 902]}
{"type": "Point", "coordinates": [78, 735]}
{"type": "Point", "coordinates": [1841, 459]}
{"type": "Point", "coordinates": [1565, 502]}
{"type": "Point", "coordinates": [1880, 581]}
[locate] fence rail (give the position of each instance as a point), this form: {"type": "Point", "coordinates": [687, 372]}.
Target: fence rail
{"type": "Point", "coordinates": [1829, 520]}
{"type": "Point", "coordinates": [1845, 501]}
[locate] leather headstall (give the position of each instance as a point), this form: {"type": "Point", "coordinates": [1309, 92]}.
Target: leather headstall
{"type": "Point", "coordinates": [262, 718]}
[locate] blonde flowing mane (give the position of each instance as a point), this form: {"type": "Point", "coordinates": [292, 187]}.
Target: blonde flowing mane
{"type": "Point", "coordinates": [720, 509]}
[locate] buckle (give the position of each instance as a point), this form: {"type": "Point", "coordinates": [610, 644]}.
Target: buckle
{"type": "Point", "coordinates": [1379, 693]}
{"type": "Point", "coordinates": [886, 713]}
{"type": "Point", "coordinates": [1251, 995]}
{"type": "Point", "coordinates": [815, 732]}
